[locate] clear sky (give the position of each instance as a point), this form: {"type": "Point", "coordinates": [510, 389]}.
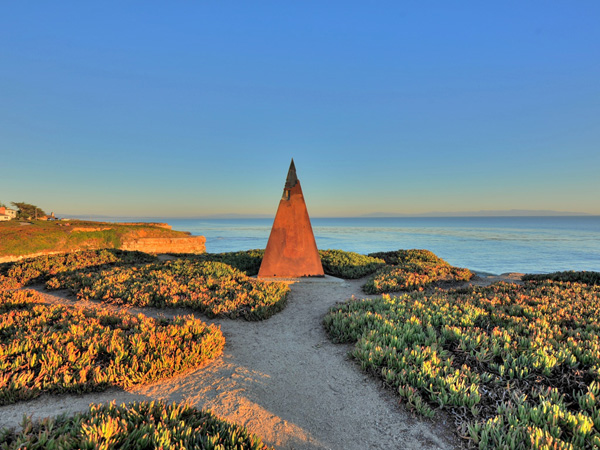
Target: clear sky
{"type": "Point", "coordinates": [177, 108]}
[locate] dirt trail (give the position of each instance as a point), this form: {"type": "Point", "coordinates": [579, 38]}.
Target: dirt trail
{"type": "Point", "coordinates": [284, 380]}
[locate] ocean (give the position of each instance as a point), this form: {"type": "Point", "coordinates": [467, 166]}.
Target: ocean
{"type": "Point", "coordinates": [485, 244]}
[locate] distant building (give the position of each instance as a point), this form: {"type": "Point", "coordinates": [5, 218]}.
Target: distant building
{"type": "Point", "coordinates": [7, 213]}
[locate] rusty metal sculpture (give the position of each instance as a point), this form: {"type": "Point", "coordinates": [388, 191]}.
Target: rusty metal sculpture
{"type": "Point", "coordinates": [291, 250]}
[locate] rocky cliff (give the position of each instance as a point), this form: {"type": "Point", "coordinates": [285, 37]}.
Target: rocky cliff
{"type": "Point", "coordinates": [195, 244]}
{"type": "Point", "coordinates": [192, 244]}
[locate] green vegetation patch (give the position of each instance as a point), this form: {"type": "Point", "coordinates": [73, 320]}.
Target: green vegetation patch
{"type": "Point", "coordinates": [139, 425]}
{"type": "Point", "coordinates": [412, 270]}
{"type": "Point", "coordinates": [43, 267]}
{"type": "Point", "coordinates": [248, 261]}
{"type": "Point", "coordinates": [586, 277]}
{"type": "Point", "coordinates": [396, 270]}
{"type": "Point", "coordinates": [337, 263]}
{"type": "Point", "coordinates": [349, 265]}
{"type": "Point", "coordinates": [518, 366]}
{"type": "Point", "coordinates": [8, 283]}
{"type": "Point", "coordinates": [58, 349]}
{"type": "Point", "coordinates": [408, 258]}
{"type": "Point", "coordinates": [213, 288]}
{"type": "Point", "coordinates": [21, 238]}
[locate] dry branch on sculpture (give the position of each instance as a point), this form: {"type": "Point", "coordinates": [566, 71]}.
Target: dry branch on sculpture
{"type": "Point", "coordinates": [291, 251]}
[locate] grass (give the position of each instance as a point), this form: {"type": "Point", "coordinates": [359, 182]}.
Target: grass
{"type": "Point", "coordinates": [213, 288]}
{"type": "Point", "coordinates": [517, 366]}
{"type": "Point", "coordinates": [134, 426]}
{"type": "Point", "coordinates": [25, 238]}
{"type": "Point", "coordinates": [56, 349]}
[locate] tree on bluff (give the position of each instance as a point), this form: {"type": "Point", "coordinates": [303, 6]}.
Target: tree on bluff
{"type": "Point", "coordinates": [27, 211]}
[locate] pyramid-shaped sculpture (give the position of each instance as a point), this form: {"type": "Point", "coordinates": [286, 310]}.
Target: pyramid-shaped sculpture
{"type": "Point", "coordinates": [291, 251]}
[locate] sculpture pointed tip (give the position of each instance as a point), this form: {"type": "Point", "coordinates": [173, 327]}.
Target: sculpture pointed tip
{"type": "Point", "coordinates": [292, 178]}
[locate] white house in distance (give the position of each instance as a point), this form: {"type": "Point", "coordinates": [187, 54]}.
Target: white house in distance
{"type": "Point", "coordinates": [7, 213]}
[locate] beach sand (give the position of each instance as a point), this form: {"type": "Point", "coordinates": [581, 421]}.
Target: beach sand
{"type": "Point", "coordinates": [281, 378]}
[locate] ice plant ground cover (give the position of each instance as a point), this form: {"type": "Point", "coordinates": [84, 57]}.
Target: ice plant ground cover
{"type": "Point", "coordinates": [411, 269]}
{"type": "Point", "coordinates": [140, 425]}
{"type": "Point", "coordinates": [136, 278]}
{"type": "Point", "coordinates": [517, 366]}
{"type": "Point", "coordinates": [248, 261]}
{"type": "Point", "coordinates": [337, 263]}
{"type": "Point", "coordinates": [579, 277]}
{"type": "Point", "coordinates": [58, 349]}
{"type": "Point", "coordinates": [390, 271]}
{"type": "Point", "coordinates": [349, 265]}
{"type": "Point", "coordinates": [37, 270]}
{"type": "Point", "coordinates": [213, 288]}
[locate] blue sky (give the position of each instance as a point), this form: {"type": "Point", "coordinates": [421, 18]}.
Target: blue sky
{"type": "Point", "coordinates": [196, 108]}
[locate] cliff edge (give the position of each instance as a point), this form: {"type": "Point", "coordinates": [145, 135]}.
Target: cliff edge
{"type": "Point", "coordinates": [26, 239]}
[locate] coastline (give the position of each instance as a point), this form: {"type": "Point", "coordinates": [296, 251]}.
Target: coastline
{"type": "Point", "coordinates": [494, 245]}
{"type": "Point", "coordinates": [489, 245]}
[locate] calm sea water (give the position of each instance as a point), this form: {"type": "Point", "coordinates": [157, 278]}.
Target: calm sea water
{"type": "Point", "coordinates": [487, 244]}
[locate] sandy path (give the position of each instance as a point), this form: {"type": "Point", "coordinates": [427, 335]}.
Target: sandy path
{"type": "Point", "coordinates": [284, 380]}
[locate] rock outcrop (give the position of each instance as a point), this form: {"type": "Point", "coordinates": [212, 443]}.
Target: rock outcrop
{"type": "Point", "coordinates": [145, 224]}
{"type": "Point", "coordinates": [192, 244]}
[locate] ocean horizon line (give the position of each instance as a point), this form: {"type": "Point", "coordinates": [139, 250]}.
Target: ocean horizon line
{"type": "Point", "coordinates": [233, 216]}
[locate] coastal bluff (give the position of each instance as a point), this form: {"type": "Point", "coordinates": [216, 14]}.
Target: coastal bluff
{"type": "Point", "coordinates": [29, 239]}
{"type": "Point", "coordinates": [192, 244]}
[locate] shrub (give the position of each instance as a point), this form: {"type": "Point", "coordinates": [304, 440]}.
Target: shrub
{"type": "Point", "coordinates": [339, 263]}
{"type": "Point", "coordinates": [410, 270]}
{"type": "Point", "coordinates": [518, 366]}
{"type": "Point", "coordinates": [47, 348]}
{"type": "Point", "coordinates": [139, 425]}
{"type": "Point", "coordinates": [406, 257]}
{"type": "Point", "coordinates": [247, 261]}
{"type": "Point", "coordinates": [592, 278]}
{"type": "Point", "coordinates": [213, 288]}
